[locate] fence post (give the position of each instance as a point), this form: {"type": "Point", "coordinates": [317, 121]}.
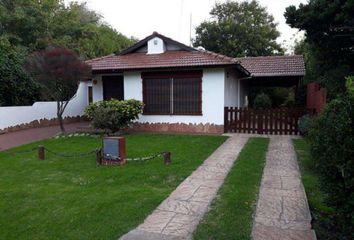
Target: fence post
{"type": "Point", "coordinates": [99, 156]}
{"type": "Point", "coordinates": [41, 152]}
{"type": "Point", "coordinates": [167, 158]}
{"type": "Point", "coordinates": [226, 120]}
{"type": "Point", "coordinates": [260, 121]}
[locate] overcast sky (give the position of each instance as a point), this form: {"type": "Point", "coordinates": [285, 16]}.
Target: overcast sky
{"type": "Point", "coordinates": [139, 18]}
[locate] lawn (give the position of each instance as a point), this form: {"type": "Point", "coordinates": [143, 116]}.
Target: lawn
{"type": "Point", "coordinates": [323, 216]}
{"type": "Point", "coordinates": [231, 213]}
{"type": "Point", "coordinates": [61, 198]}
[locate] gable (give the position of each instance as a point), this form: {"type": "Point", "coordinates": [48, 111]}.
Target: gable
{"type": "Point", "coordinates": [163, 44]}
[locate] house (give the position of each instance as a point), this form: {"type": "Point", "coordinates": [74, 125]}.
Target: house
{"type": "Point", "coordinates": [186, 89]}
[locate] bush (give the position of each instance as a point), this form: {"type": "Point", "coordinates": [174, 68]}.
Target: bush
{"type": "Point", "coordinates": [332, 148]}
{"type": "Point", "coordinates": [305, 123]}
{"type": "Point", "coordinates": [113, 115]}
{"type": "Point", "coordinates": [289, 101]}
{"type": "Point", "coordinates": [262, 101]}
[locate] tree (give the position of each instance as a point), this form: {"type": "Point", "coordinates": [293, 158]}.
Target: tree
{"type": "Point", "coordinates": [329, 30]}
{"type": "Point", "coordinates": [38, 24]}
{"type": "Point", "coordinates": [332, 148]}
{"type": "Point", "coordinates": [59, 71]}
{"type": "Point", "coordinates": [16, 86]}
{"type": "Point", "coordinates": [239, 29]}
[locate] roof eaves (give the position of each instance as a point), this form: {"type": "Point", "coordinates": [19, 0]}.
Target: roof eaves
{"type": "Point", "coordinates": [278, 74]}
{"type": "Point", "coordinates": [99, 58]}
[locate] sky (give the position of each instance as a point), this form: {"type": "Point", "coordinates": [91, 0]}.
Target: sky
{"type": "Point", "coordinates": [172, 18]}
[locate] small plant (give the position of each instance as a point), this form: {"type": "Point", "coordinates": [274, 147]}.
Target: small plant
{"type": "Point", "coordinates": [305, 123]}
{"type": "Point", "coordinates": [262, 101]}
{"type": "Point", "coordinates": [113, 115]}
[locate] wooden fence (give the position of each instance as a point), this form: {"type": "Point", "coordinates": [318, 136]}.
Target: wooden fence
{"type": "Point", "coordinates": [282, 121]}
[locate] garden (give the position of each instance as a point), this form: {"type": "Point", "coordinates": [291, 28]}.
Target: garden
{"type": "Point", "coordinates": [74, 198]}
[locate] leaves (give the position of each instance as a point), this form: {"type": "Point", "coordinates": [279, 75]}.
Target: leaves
{"type": "Point", "coordinates": [239, 29]}
{"type": "Point", "coordinates": [59, 71]}
{"type": "Point", "coordinates": [16, 87]}
{"type": "Point", "coordinates": [328, 47]}
{"type": "Point", "coordinates": [39, 24]}
{"type": "Point", "coordinates": [114, 114]}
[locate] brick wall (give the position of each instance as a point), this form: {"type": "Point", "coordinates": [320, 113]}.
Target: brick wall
{"type": "Point", "coordinates": [178, 128]}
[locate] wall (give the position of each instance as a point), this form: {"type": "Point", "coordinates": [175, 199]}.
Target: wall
{"type": "Point", "coordinates": [12, 116]}
{"type": "Point", "coordinates": [212, 98]}
{"type": "Point", "coordinates": [236, 90]}
{"type": "Point", "coordinates": [231, 88]}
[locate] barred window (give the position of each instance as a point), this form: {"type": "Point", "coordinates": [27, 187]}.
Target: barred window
{"type": "Point", "coordinates": [176, 93]}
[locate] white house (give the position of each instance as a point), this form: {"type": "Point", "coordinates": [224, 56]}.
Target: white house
{"type": "Point", "coordinates": [183, 88]}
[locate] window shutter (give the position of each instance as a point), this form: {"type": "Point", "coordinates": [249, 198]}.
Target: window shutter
{"type": "Point", "coordinates": [156, 97]}
{"type": "Point", "coordinates": [187, 96]}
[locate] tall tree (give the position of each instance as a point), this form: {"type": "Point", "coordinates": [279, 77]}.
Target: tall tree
{"type": "Point", "coordinates": [59, 71]}
{"type": "Point", "coordinates": [239, 29]}
{"type": "Point", "coordinates": [329, 29]}
{"type": "Point", "coordinates": [16, 87]}
{"type": "Point", "coordinates": [38, 24]}
{"type": "Point", "coordinates": [32, 25]}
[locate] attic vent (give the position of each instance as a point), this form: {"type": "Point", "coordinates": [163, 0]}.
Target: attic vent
{"type": "Point", "coordinates": [156, 46]}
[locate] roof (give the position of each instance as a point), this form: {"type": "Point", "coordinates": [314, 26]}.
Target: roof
{"type": "Point", "coordinates": [274, 65]}
{"type": "Point", "coordinates": [168, 59]}
{"type": "Point", "coordinates": [133, 58]}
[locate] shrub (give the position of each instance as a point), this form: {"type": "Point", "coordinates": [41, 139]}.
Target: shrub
{"type": "Point", "coordinates": [289, 101]}
{"type": "Point", "coordinates": [262, 101]}
{"type": "Point", "coordinates": [113, 115]}
{"type": "Point", "coordinates": [332, 148]}
{"type": "Point", "coordinates": [305, 123]}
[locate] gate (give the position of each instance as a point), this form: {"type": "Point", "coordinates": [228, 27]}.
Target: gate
{"type": "Point", "coordinates": [281, 121]}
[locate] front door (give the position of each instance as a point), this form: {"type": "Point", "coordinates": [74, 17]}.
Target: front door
{"type": "Point", "coordinates": [113, 87]}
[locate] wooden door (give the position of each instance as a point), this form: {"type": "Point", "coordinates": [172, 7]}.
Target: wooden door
{"type": "Point", "coordinates": [113, 87]}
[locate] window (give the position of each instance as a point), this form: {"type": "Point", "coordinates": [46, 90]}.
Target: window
{"type": "Point", "coordinates": [177, 93]}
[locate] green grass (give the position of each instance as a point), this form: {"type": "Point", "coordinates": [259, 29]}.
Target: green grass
{"type": "Point", "coordinates": [323, 216]}
{"type": "Point", "coordinates": [61, 198]}
{"type": "Point", "coordinates": [231, 213]}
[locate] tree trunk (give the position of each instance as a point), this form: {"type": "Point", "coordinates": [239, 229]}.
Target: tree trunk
{"type": "Point", "coordinates": [60, 116]}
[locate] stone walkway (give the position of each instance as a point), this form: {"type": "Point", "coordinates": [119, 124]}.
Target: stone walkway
{"type": "Point", "coordinates": [282, 211]}
{"type": "Point", "coordinates": [14, 139]}
{"type": "Point", "coordinates": [178, 215]}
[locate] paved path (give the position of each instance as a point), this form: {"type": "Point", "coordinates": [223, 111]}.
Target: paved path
{"type": "Point", "coordinates": [282, 211]}
{"type": "Point", "coordinates": [14, 139]}
{"type": "Point", "coordinates": [178, 215]}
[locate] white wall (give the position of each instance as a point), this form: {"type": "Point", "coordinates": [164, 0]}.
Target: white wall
{"type": "Point", "coordinates": [12, 116]}
{"type": "Point", "coordinates": [236, 88]}
{"type": "Point", "coordinates": [212, 98]}
{"type": "Point", "coordinates": [231, 88]}
{"type": "Point", "coordinates": [156, 46]}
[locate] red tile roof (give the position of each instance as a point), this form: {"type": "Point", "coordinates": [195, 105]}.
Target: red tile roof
{"type": "Point", "coordinates": [274, 65]}
{"type": "Point", "coordinates": [141, 60]}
